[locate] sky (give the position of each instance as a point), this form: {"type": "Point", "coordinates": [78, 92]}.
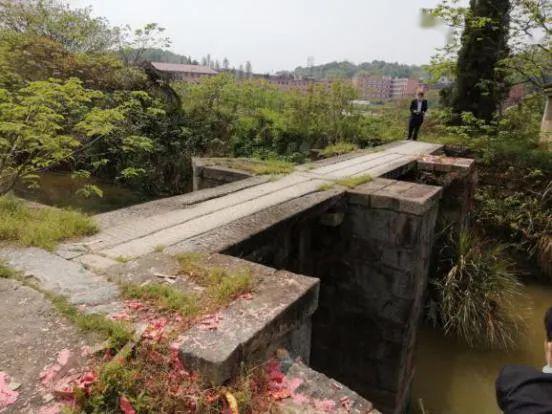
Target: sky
{"type": "Point", "coordinates": [282, 35]}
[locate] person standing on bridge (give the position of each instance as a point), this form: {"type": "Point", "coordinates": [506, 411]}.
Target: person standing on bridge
{"type": "Point", "coordinates": [418, 108]}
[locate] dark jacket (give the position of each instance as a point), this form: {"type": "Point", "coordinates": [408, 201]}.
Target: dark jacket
{"type": "Point", "coordinates": [524, 390]}
{"type": "Point", "coordinates": [414, 107]}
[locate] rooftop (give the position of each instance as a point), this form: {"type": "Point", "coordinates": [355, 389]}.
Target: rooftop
{"type": "Point", "coordinates": [179, 67]}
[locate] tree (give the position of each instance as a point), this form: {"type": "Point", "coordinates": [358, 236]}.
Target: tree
{"type": "Point", "coordinates": [531, 43]}
{"type": "Point", "coordinates": [225, 64]}
{"type": "Point", "coordinates": [530, 40]}
{"type": "Point", "coordinates": [40, 123]}
{"type": "Point", "coordinates": [132, 44]}
{"type": "Point", "coordinates": [75, 29]}
{"type": "Point", "coordinates": [480, 84]}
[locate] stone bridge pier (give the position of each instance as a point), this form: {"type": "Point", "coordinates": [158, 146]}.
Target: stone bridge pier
{"type": "Point", "coordinates": [370, 247]}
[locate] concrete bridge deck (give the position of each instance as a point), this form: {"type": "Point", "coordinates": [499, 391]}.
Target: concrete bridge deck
{"type": "Point", "coordinates": [134, 235]}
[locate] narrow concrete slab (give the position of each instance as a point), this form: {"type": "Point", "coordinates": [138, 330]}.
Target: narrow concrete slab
{"type": "Point", "coordinates": [142, 234]}
{"type": "Point", "coordinates": [63, 277]}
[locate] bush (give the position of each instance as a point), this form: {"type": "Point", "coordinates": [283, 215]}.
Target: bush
{"type": "Point", "coordinates": [478, 294]}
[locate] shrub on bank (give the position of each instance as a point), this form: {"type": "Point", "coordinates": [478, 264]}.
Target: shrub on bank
{"type": "Point", "coordinates": [478, 294]}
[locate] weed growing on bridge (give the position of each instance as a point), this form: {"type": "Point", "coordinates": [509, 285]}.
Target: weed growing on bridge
{"type": "Point", "coordinates": [338, 149]}
{"type": "Point", "coordinates": [164, 297]}
{"type": "Point", "coordinates": [354, 181]}
{"type": "Point", "coordinates": [223, 285]}
{"type": "Point", "coordinates": [40, 227]}
{"type": "Point", "coordinates": [346, 182]}
{"type": "Point", "coordinates": [257, 167]}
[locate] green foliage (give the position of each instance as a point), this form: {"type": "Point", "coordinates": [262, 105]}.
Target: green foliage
{"type": "Point", "coordinates": [523, 219]}
{"type": "Point", "coordinates": [75, 29]}
{"type": "Point", "coordinates": [480, 86]}
{"type": "Point", "coordinates": [255, 119]}
{"type": "Point", "coordinates": [338, 149]}
{"type": "Point", "coordinates": [478, 295]}
{"type": "Point", "coordinates": [40, 227]}
{"type": "Point", "coordinates": [39, 128]}
{"type": "Point", "coordinates": [347, 70]}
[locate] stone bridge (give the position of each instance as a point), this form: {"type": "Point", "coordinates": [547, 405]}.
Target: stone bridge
{"type": "Point", "coordinates": [341, 271]}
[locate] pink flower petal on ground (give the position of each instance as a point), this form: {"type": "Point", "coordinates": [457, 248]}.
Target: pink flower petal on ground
{"type": "Point", "coordinates": [134, 304]}
{"type": "Point", "coordinates": [126, 406]}
{"type": "Point", "coordinates": [293, 384]}
{"type": "Point", "coordinates": [54, 408]}
{"type": "Point", "coordinates": [300, 399]}
{"type": "Point", "coordinates": [49, 373]}
{"type": "Point", "coordinates": [63, 357]}
{"type": "Point", "coordinates": [7, 395]}
{"type": "Point", "coordinates": [328, 406]}
{"type": "Point", "coordinates": [210, 322]}
{"type": "Point", "coordinates": [120, 316]}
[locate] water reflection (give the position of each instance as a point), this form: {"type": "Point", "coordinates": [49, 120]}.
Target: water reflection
{"type": "Point", "coordinates": [59, 189]}
{"type": "Point", "coordinates": [453, 379]}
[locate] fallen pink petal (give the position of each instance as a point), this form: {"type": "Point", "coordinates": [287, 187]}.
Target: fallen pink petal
{"type": "Point", "coordinates": [126, 406]}
{"type": "Point", "coordinates": [7, 395]}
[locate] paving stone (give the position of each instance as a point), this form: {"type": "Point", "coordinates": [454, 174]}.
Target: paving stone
{"type": "Point", "coordinates": [60, 276]}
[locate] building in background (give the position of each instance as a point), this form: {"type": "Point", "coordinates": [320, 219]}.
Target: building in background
{"type": "Point", "coordinates": [385, 87]}
{"type": "Point", "coordinates": [181, 72]}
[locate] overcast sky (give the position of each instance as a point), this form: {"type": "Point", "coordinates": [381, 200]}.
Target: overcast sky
{"type": "Point", "coordinates": [283, 34]}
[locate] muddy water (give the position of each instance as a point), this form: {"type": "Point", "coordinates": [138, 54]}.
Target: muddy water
{"type": "Point", "coordinates": [60, 190]}
{"type": "Point", "coordinates": [453, 379]}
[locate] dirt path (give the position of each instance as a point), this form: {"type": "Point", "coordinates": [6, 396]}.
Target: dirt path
{"type": "Point", "coordinates": [33, 334]}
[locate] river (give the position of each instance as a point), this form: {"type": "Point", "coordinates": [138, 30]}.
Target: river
{"type": "Point", "coordinates": [60, 190]}
{"type": "Point", "coordinates": [454, 379]}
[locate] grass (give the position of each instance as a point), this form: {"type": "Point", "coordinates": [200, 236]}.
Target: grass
{"type": "Point", "coordinates": [164, 297]}
{"type": "Point", "coordinates": [258, 167]}
{"type": "Point", "coordinates": [123, 259]}
{"type": "Point", "coordinates": [40, 227]}
{"type": "Point", "coordinates": [118, 333]}
{"type": "Point", "coordinates": [351, 182]}
{"type": "Point", "coordinates": [478, 295]}
{"type": "Point", "coordinates": [223, 285]}
{"type": "Point", "coordinates": [338, 149]}
{"type": "Point", "coordinates": [159, 248]}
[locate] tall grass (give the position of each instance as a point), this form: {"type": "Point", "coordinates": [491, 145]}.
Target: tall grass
{"type": "Point", "coordinates": [478, 295]}
{"type": "Point", "coordinates": [40, 227]}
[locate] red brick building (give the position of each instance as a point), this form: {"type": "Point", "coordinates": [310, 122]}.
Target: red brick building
{"type": "Point", "coordinates": [384, 87]}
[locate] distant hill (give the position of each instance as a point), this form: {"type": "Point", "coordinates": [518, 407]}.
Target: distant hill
{"type": "Point", "coordinates": [346, 70]}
